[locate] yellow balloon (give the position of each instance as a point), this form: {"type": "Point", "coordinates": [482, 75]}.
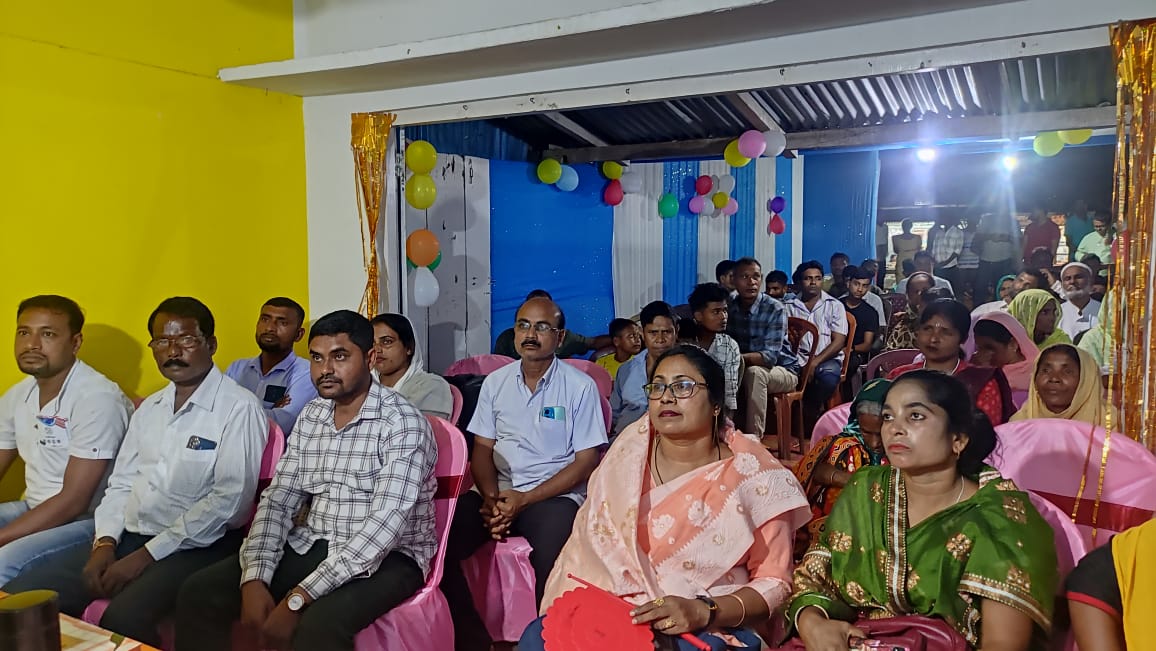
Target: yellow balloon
{"type": "Point", "coordinates": [720, 199]}
{"type": "Point", "coordinates": [421, 191]}
{"type": "Point", "coordinates": [1047, 144]}
{"type": "Point", "coordinates": [732, 155]}
{"type": "Point", "coordinates": [421, 157]}
{"type": "Point", "coordinates": [611, 170]}
{"type": "Point", "coordinates": [549, 171]}
{"type": "Point", "coordinates": [1075, 136]}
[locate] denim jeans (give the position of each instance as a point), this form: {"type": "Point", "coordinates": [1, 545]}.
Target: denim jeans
{"type": "Point", "coordinates": [33, 549]}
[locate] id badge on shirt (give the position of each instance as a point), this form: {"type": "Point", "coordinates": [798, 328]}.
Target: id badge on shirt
{"type": "Point", "coordinates": [554, 413]}
{"type": "Point", "coordinates": [53, 432]}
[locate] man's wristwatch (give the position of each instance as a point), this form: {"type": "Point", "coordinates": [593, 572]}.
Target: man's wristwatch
{"type": "Point", "coordinates": [296, 601]}
{"type": "Point", "coordinates": [712, 607]}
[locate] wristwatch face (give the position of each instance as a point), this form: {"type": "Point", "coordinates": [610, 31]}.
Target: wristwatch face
{"type": "Point", "coordinates": [296, 602]}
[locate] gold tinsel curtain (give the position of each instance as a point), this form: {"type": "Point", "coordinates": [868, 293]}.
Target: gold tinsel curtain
{"type": "Point", "coordinates": [1132, 338]}
{"type": "Point", "coordinates": [370, 143]}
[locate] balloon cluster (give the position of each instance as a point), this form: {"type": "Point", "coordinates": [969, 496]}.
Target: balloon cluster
{"type": "Point", "coordinates": [752, 144]}
{"type": "Point", "coordinates": [621, 184]}
{"type": "Point", "coordinates": [776, 225]}
{"type": "Point", "coordinates": [423, 254]}
{"type": "Point", "coordinates": [712, 196]}
{"type": "Point", "coordinates": [1050, 143]}
{"type": "Point", "coordinates": [420, 190]}
{"type": "Point", "coordinates": [563, 177]}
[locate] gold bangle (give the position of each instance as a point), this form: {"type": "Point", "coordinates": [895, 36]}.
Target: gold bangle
{"type": "Point", "coordinates": [102, 543]}
{"type": "Point", "coordinates": [743, 604]}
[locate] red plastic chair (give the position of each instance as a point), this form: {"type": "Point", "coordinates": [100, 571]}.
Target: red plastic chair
{"type": "Point", "coordinates": [884, 363]}
{"type": "Point", "coordinates": [478, 365]}
{"type": "Point", "coordinates": [600, 375]}
{"type": "Point", "coordinates": [459, 402]}
{"type": "Point", "coordinates": [423, 621]}
{"type": "Point", "coordinates": [789, 405]}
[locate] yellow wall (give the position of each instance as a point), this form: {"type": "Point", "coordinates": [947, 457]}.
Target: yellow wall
{"type": "Point", "coordinates": [129, 173]}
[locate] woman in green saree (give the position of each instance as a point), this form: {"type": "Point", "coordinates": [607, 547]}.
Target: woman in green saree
{"type": "Point", "coordinates": [937, 534]}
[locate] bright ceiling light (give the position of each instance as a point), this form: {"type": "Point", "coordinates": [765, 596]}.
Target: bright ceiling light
{"type": "Point", "coordinates": [925, 154]}
{"type": "Point", "coordinates": [1010, 163]}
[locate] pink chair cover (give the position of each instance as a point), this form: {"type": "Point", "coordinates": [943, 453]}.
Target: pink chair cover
{"type": "Point", "coordinates": [831, 422]}
{"type": "Point", "coordinates": [423, 621]}
{"type": "Point", "coordinates": [1070, 548]}
{"type": "Point", "coordinates": [607, 414]}
{"type": "Point", "coordinates": [502, 583]}
{"type": "Point", "coordinates": [478, 365]}
{"type": "Point", "coordinates": [600, 375]}
{"type": "Point", "coordinates": [459, 401]}
{"type": "Point", "coordinates": [1046, 456]}
{"type": "Point", "coordinates": [884, 362]}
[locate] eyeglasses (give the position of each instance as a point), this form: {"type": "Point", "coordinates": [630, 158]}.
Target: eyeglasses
{"type": "Point", "coordinates": [680, 389]}
{"type": "Point", "coordinates": [187, 342]}
{"type": "Point", "coordinates": [540, 327]}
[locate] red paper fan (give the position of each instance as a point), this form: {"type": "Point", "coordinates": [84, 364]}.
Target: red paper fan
{"type": "Point", "coordinates": [590, 620]}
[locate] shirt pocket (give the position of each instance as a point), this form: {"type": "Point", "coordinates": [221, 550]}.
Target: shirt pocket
{"type": "Point", "coordinates": [553, 440]}
{"type": "Point", "coordinates": [354, 490]}
{"type": "Point", "coordinates": [192, 475]}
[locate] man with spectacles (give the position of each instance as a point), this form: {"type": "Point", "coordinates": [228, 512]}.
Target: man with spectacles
{"type": "Point", "coordinates": [659, 334]}
{"type": "Point", "coordinates": [572, 344]}
{"type": "Point", "coordinates": [278, 376]}
{"type": "Point", "coordinates": [538, 428]}
{"type": "Point", "coordinates": [66, 421]}
{"type": "Point", "coordinates": [759, 324]}
{"type": "Point", "coordinates": [182, 489]}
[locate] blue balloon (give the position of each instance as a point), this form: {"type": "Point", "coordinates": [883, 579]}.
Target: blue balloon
{"type": "Point", "coordinates": [569, 180]}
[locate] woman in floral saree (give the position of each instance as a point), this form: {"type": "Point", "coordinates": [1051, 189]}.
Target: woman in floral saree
{"type": "Point", "coordinates": [688, 520]}
{"type": "Point", "coordinates": [937, 534]}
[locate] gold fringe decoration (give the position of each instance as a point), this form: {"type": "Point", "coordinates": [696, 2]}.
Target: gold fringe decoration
{"type": "Point", "coordinates": [370, 143]}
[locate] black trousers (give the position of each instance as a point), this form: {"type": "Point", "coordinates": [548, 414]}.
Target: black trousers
{"type": "Point", "coordinates": [145, 602]}
{"type": "Point", "coordinates": [545, 525]}
{"type": "Point", "coordinates": [210, 601]}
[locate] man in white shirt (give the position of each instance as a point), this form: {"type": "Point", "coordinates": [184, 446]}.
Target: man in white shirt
{"type": "Point", "coordinates": [1079, 312]}
{"type": "Point", "coordinates": [66, 421]}
{"type": "Point", "coordinates": [278, 376]}
{"type": "Point", "coordinates": [181, 491]}
{"type": "Point", "coordinates": [826, 355]}
{"type": "Point", "coordinates": [363, 457]}
{"type": "Point", "coordinates": [946, 248]}
{"type": "Point", "coordinates": [538, 428]}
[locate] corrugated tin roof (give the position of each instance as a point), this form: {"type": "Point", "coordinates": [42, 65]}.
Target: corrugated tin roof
{"type": "Point", "coordinates": [1068, 80]}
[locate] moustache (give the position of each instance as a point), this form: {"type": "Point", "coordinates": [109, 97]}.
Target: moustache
{"type": "Point", "coordinates": [530, 343]}
{"type": "Point", "coordinates": [328, 378]}
{"type": "Point", "coordinates": [175, 363]}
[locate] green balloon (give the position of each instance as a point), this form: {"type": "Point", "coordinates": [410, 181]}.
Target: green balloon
{"type": "Point", "coordinates": [438, 260]}
{"type": "Point", "coordinates": [409, 264]}
{"type": "Point", "coordinates": [668, 205]}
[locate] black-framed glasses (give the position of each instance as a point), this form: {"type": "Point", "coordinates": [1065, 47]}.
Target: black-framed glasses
{"type": "Point", "coordinates": [540, 327]}
{"type": "Point", "coordinates": [679, 389]}
{"type": "Point", "coordinates": [187, 342]}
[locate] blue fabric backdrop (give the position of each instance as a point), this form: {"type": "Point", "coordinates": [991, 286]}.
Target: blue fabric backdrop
{"type": "Point", "coordinates": [840, 207]}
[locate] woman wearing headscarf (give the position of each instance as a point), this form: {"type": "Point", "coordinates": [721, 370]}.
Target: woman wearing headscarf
{"type": "Point", "coordinates": [401, 367]}
{"type": "Point", "coordinates": [1067, 386]}
{"type": "Point", "coordinates": [999, 341]}
{"type": "Point", "coordinates": [1038, 311]}
{"type": "Point", "coordinates": [827, 466]}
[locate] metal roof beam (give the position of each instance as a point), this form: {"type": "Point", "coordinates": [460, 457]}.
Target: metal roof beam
{"type": "Point", "coordinates": [753, 112]}
{"type": "Point", "coordinates": [573, 128]}
{"type": "Point", "coordinates": [929, 130]}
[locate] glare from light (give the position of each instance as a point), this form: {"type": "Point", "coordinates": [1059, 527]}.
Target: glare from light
{"type": "Point", "coordinates": [925, 154]}
{"type": "Point", "coordinates": [1010, 163]}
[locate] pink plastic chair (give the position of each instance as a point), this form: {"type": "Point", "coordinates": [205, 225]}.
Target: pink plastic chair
{"type": "Point", "coordinates": [600, 375]}
{"type": "Point", "coordinates": [423, 621]}
{"type": "Point", "coordinates": [882, 364]}
{"type": "Point", "coordinates": [478, 365]}
{"type": "Point", "coordinates": [1046, 456]}
{"type": "Point", "coordinates": [274, 448]}
{"type": "Point", "coordinates": [831, 422]}
{"type": "Point", "coordinates": [1070, 548]}
{"type": "Point", "coordinates": [459, 401]}
{"type": "Point", "coordinates": [501, 581]}
{"type": "Point", "coordinates": [607, 413]}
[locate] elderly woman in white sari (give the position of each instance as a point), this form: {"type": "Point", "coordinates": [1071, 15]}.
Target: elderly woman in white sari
{"type": "Point", "coordinates": [400, 366]}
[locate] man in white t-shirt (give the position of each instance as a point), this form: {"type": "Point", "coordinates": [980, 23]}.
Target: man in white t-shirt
{"type": "Point", "coordinates": [66, 421]}
{"type": "Point", "coordinates": [1080, 312]}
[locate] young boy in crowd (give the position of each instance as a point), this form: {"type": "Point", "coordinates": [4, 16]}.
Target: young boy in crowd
{"type": "Point", "coordinates": [778, 286]}
{"type": "Point", "coordinates": [627, 338]}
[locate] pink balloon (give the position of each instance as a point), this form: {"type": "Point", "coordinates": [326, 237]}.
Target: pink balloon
{"type": "Point", "coordinates": [702, 184]}
{"type": "Point", "coordinates": [752, 144]}
{"type": "Point", "coordinates": [777, 225]}
{"type": "Point", "coordinates": [613, 194]}
{"type": "Point", "coordinates": [731, 208]}
{"type": "Point", "coordinates": [697, 203]}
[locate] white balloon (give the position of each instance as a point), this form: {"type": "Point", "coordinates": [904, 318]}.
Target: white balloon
{"type": "Point", "coordinates": [726, 184]}
{"type": "Point", "coordinates": [631, 182]}
{"type": "Point", "coordinates": [776, 143]}
{"type": "Point", "coordinates": [425, 287]}
{"type": "Point", "coordinates": [714, 181]}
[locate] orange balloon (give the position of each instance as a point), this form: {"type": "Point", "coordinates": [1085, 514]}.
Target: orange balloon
{"type": "Point", "coordinates": [422, 248]}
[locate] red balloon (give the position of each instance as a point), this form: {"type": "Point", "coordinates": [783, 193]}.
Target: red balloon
{"type": "Point", "coordinates": [777, 225]}
{"type": "Point", "coordinates": [613, 194]}
{"type": "Point", "coordinates": [702, 184]}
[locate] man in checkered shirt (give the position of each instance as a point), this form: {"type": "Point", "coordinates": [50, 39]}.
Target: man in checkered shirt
{"type": "Point", "coordinates": [363, 458]}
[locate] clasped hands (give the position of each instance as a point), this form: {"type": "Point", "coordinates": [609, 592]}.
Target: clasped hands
{"type": "Point", "coordinates": [105, 576]}
{"type": "Point", "coordinates": [498, 511]}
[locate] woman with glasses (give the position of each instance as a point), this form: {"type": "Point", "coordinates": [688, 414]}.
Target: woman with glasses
{"type": "Point", "coordinates": [689, 520]}
{"type": "Point", "coordinates": [401, 367]}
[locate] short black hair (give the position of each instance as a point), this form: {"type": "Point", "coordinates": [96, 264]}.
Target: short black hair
{"type": "Point", "coordinates": [857, 273]}
{"type": "Point", "coordinates": [401, 326]}
{"type": "Point", "coordinates": [345, 322]}
{"type": "Point", "coordinates": [723, 268]}
{"type": "Point", "coordinates": [868, 261]}
{"type": "Point", "coordinates": [58, 304]}
{"type": "Point", "coordinates": [839, 255]}
{"type": "Point", "coordinates": [657, 309]}
{"type": "Point", "coordinates": [1041, 279]}
{"type": "Point", "coordinates": [804, 266]}
{"type": "Point", "coordinates": [186, 307]}
{"type": "Point", "coordinates": [1090, 257]}
{"type": "Point", "coordinates": [778, 276]}
{"type": "Point", "coordinates": [288, 304]}
{"type": "Point", "coordinates": [539, 293]}
{"type": "Point", "coordinates": [746, 261]}
{"type": "Point", "coordinates": [618, 326]}
{"type": "Point", "coordinates": [923, 254]}
{"type": "Point", "coordinates": [707, 293]}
